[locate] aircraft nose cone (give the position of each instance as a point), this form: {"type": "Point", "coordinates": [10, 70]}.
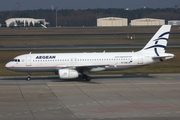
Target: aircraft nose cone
{"type": "Point", "coordinates": [7, 65]}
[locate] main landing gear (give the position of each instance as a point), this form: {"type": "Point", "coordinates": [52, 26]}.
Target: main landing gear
{"type": "Point", "coordinates": [28, 78]}
{"type": "Point", "coordinates": [86, 77]}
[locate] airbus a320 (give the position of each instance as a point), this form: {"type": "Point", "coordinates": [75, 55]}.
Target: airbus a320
{"type": "Point", "coordinates": [74, 65]}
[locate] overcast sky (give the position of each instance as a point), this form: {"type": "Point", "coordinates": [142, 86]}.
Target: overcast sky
{"type": "Point", "coordinates": [85, 4]}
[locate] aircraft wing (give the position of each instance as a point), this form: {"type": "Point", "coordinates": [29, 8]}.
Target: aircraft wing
{"type": "Point", "coordinates": [92, 68]}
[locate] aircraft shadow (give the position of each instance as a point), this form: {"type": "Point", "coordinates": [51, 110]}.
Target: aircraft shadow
{"type": "Point", "coordinates": [124, 76]}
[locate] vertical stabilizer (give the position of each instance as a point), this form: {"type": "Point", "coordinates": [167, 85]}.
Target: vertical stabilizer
{"type": "Point", "coordinates": [159, 41]}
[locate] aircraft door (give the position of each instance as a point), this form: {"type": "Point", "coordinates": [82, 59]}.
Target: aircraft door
{"type": "Point", "coordinates": [28, 61]}
{"type": "Point", "coordinates": [140, 59]}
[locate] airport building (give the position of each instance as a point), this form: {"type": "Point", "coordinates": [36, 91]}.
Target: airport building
{"type": "Point", "coordinates": [174, 22]}
{"type": "Point", "coordinates": [147, 22]}
{"type": "Point", "coordinates": [24, 22]}
{"type": "Point", "coordinates": [111, 21]}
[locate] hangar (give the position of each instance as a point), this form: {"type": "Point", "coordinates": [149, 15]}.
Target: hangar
{"type": "Point", "coordinates": [147, 22]}
{"type": "Point", "coordinates": [24, 21]}
{"type": "Point", "coordinates": [111, 21]}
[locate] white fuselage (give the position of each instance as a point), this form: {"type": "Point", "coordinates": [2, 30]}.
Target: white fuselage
{"type": "Point", "coordinates": [55, 61]}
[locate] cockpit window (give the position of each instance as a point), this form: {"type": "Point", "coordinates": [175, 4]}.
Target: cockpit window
{"type": "Point", "coordinates": [15, 60]}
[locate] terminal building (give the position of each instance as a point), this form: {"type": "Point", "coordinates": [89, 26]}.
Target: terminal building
{"type": "Point", "coordinates": [25, 22]}
{"type": "Point", "coordinates": [147, 22]}
{"type": "Point", "coordinates": [112, 22]}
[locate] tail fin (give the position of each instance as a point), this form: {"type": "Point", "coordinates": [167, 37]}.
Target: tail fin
{"type": "Point", "coordinates": [159, 41]}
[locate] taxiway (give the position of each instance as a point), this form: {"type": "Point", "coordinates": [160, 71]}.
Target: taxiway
{"type": "Point", "coordinates": [117, 97]}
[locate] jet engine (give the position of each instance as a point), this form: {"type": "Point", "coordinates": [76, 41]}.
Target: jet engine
{"type": "Point", "coordinates": [67, 74]}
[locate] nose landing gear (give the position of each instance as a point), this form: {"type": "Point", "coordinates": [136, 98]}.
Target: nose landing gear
{"type": "Point", "coordinates": [28, 77]}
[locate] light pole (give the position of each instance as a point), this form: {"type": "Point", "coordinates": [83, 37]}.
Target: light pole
{"type": "Point", "coordinates": [56, 16]}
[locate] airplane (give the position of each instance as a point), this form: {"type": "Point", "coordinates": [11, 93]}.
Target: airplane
{"type": "Point", "coordinates": [74, 65]}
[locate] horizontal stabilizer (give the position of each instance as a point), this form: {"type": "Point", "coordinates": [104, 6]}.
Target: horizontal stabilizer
{"type": "Point", "coordinates": [164, 56]}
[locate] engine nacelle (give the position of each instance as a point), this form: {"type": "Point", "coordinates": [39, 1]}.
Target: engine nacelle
{"type": "Point", "coordinates": [67, 74]}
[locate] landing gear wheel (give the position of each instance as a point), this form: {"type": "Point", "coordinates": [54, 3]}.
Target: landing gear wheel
{"type": "Point", "coordinates": [87, 78]}
{"type": "Point", "coordinates": [28, 78]}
